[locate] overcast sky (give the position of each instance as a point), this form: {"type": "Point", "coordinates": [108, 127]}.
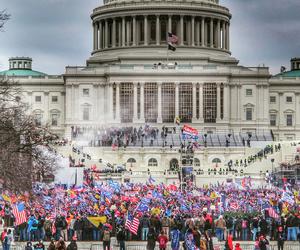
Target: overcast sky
{"type": "Point", "coordinates": [57, 33]}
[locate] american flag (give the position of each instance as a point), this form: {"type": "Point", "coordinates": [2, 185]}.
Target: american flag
{"type": "Point", "coordinates": [172, 38]}
{"type": "Point", "coordinates": [19, 213]}
{"type": "Point", "coordinates": [132, 224]}
{"type": "Point", "coordinates": [272, 213]}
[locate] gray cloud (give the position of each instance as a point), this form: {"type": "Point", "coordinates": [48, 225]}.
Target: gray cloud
{"type": "Point", "coordinates": [57, 33]}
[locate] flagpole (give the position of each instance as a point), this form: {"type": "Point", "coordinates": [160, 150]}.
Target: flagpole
{"type": "Point", "coordinates": [167, 54]}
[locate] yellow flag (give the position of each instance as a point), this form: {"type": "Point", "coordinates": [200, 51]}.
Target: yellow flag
{"type": "Point", "coordinates": [5, 197]}
{"type": "Point", "coordinates": [97, 220]}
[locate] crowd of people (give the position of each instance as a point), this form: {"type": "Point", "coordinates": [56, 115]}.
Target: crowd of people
{"type": "Point", "coordinates": [209, 213]}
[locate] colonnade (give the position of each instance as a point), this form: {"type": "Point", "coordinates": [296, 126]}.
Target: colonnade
{"type": "Point", "coordinates": [144, 30]}
{"type": "Point", "coordinates": [198, 106]}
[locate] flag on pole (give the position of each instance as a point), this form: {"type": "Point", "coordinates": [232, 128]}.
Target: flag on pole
{"type": "Point", "coordinates": [272, 213]}
{"type": "Point", "coordinates": [132, 224]}
{"type": "Point", "coordinates": [189, 132]}
{"type": "Point", "coordinates": [19, 213]}
{"type": "Point", "coordinates": [172, 41]}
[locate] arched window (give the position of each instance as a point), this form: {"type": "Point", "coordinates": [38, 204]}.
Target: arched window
{"type": "Point", "coordinates": [196, 162]}
{"type": "Point", "coordinates": [174, 165]}
{"type": "Point", "coordinates": [216, 160]}
{"type": "Point", "coordinates": [131, 162]}
{"type": "Point", "coordinates": [152, 162]}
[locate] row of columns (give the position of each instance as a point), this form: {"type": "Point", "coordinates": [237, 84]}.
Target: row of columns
{"type": "Point", "coordinates": [200, 103]}
{"type": "Point", "coordinates": [201, 31]}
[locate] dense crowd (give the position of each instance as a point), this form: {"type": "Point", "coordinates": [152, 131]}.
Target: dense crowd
{"type": "Point", "coordinates": [217, 211]}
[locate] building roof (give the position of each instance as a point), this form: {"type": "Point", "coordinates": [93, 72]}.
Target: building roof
{"type": "Point", "coordinates": [293, 73]}
{"type": "Point", "coordinates": [22, 72]}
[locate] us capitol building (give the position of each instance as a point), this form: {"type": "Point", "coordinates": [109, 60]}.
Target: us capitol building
{"type": "Point", "coordinates": [131, 79]}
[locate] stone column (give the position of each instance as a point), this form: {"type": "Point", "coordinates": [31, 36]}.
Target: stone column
{"type": "Point", "coordinates": [142, 103]}
{"type": "Point", "coordinates": [169, 23]}
{"type": "Point", "coordinates": [135, 103]}
{"type": "Point", "coordinates": [114, 33]}
{"type": "Point", "coordinates": [76, 105]}
{"type": "Point", "coordinates": [281, 118]}
{"type": "Point", "coordinates": [118, 119]}
{"type": "Point", "coordinates": [159, 106]}
{"type": "Point", "coordinates": [197, 33]}
{"type": "Point", "coordinates": [47, 116]}
{"type": "Point", "coordinates": [134, 31]}
{"type": "Point", "coordinates": [202, 32]}
{"type": "Point", "coordinates": [145, 30]}
{"type": "Point", "coordinates": [100, 104]}
{"type": "Point", "coordinates": [123, 31]}
{"type": "Point", "coordinates": [226, 99]}
{"type": "Point", "coordinates": [219, 34]}
{"type": "Point", "coordinates": [176, 99]}
{"type": "Point", "coordinates": [157, 30]}
{"type": "Point", "coordinates": [193, 31]}
{"type": "Point", "coordinates": [194, 119]}
{"type": "Point", "coordinates": [218, 101]}
{"type": "Point", "coordinates": [95, 109]}
{"type": "Point", "coordinates": [106, 33]}
{"type": "Point", "coordinates": [120, 33]}
{"type": "Point", "coordinates": [181, 31]}
{"type": "Point", "coordinates": [201, 103]}
{"type": "Point", "coordinates": [227, 36]}
{"type": "Point", "coordinates": [68, 103]}
{"type": "Point", "coordinates": [211, 32]}
{"type": "Point", "coordinates": [128, 33]}
{"type": "Point", "coordinates": [95, 36]}
{"type": "Point", "coordinates": [100, 42]}
{"type": "Point", "coordinates": [223, 35]}
{"type": "Point", "coordinates": [297, 114]}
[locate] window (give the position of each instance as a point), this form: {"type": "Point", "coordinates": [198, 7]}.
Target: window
{"type": "Point", "coordinates": [196, 162]}
{"type": "Point", "coordinates": [150, 102]}
{"type": "Point", "coordinates": [38, 119]}
{"type": "Point", "coordinates": [272, 99]}
{"type": "Point", "coordinates": [210, 102]}
{"type": "Point", "coordinates": [86, 92]}
{"type": "Point", "coordinates": [186, 102]}
{"type": "Point", "coordinates": [54, 119]}
{"type": "Point", "coordinates": [289, 120]}
{"type": "Point", "coordinates": [174, 165]}
{"type": "Point", "coordinates": [249, 114]}
{"type": "Point", "coordinates": [38, 98]}
{"type": "Point", "coordinates": [248, 92]}
{"type": "Point", "coordinates": [168, 102]}
{"type": "Point", "coordinates": [54, 99]}
{"type": "Point", "coordinates": [126, 102]}
{"type": "Point", "coordinates": [289, 99]}
{"type": "Point", "coordinates": [152, 163]}
{"type": "Point", "coordinates": [86, 112]}
{"type": "Point", "coordinates": [216, 160]}
{"type": "Point", "coordinates": [131, 162]}
{"type": "Point", "coordinates": [273, 119]}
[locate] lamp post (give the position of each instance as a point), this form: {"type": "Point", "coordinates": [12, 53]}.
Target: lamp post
{"type": "Point", "coordinates": [205, 140]}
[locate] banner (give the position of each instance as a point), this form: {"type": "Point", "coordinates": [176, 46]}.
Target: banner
{"type": "Point", "coordinates": [97, 220]}
{"type": "Point", "coordinates": [190, 132]}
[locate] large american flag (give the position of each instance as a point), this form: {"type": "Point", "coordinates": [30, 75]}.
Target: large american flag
{"type": "Point", "coordinates": [272, 213]}
{"type": "Point", "coordinates": [132, 224]}
{"type": "Point", "coordinates": [19, 213]}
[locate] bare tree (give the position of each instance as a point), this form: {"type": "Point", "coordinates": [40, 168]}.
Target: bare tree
{"type": "Point", "coordinates": [26, 149]}
{"type": "Point", "coordinates": [4, 17]}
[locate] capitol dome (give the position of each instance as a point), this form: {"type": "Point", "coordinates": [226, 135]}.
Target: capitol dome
{"type": "Point", "coordinates": [137, 29]}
